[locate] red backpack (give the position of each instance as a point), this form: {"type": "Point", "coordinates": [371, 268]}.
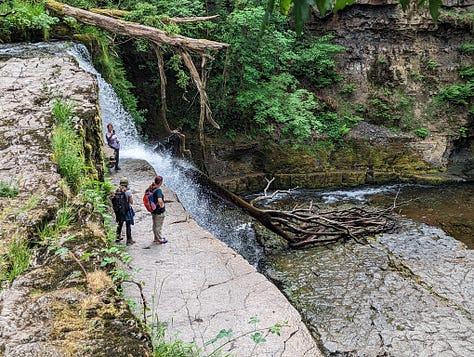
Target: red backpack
{"type": "Point", "coordinates": [148, 199]}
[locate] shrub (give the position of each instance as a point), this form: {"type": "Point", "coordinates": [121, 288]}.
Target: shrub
{"type": "Point", "coordinates": [422, 132]}
{"type": "Point", "coordinates": [8, 190]}
{"type": "Point", "coordinates": [458, 94]}
{"type": "Point", "coordinates": [67, 148]}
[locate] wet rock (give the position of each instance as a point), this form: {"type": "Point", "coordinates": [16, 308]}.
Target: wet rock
{"type": "Point", "coordinates": [405, 294]}
{"type": "Point", "coordinates": [198, 285]}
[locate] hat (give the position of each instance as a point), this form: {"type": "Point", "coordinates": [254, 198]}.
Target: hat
{"type": "Point", "coordinates": [123, 181]}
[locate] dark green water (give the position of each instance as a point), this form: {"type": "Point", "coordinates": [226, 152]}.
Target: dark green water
{"type": "Point", "coordinates": [448, 207]}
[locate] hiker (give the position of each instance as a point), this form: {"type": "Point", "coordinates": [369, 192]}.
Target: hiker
{"type": "Point", "coordinates": [122, 201]}
{"type": "Point", "coordinates": [158, 215]}
{"type": "Point", "coordinates": [114, 143]}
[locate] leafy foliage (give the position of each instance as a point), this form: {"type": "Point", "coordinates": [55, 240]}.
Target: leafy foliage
{"type": "Point", "coordinates": [458, 94]}
{"type": "Point", "coordinates": [422, 132]}
{"type": "Point", "coordinates": [66, 146]}
{"type": "Point", "coordinates": [15, 260]}
{"type": "Point", "coordinates": [8, 190]}
{"type": "Point", "coordinates": [261, 79]}
{"type": "Point", "coordinates": [27, 18]}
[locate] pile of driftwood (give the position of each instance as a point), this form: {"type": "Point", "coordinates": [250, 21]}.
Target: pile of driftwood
{"type": "Point", "coordinates": [301, 226]}
{"type": "Point", "coordinates": [304, 226]}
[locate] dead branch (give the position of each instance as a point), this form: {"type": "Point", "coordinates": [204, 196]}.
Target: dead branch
{"type": "Point", "coordinates": [161, 70]}
{"type": "Point", "coordinates": [305, 226]}
{"type": "Point", "coordinates": [7, 13]}
{"type": "Point", "coordinates": [142, 296]}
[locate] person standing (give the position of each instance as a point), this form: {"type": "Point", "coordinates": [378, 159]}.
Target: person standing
{"type": "Point", "coordinates": [114, 143]}
{"type": "Point", "coordinates": [158, 215]}
{"type": "Point", "coordinates": [122, 201]}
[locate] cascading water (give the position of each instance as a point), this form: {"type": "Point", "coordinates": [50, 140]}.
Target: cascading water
{"type": "Point", "coordinates": [211, 215]}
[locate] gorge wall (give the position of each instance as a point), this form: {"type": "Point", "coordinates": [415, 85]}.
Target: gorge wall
{"type": "Point", "coordinates": [395, 63]}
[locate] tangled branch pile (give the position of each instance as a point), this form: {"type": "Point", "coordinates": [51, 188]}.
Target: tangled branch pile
{"type": "Point", "coordinates": [307, 226]}
{"type": "Point", "coordinates": [303, 226]}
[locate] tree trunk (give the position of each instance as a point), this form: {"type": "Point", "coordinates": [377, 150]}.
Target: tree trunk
{"type": "Point", "coordinates": [161, 69]}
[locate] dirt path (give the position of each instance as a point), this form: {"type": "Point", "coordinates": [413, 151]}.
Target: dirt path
{"type": "Point", "coordinates": [198, 286]}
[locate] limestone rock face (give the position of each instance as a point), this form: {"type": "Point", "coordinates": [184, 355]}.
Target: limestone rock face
{"type": "Point", "coordinates": [398, 60]}
{"type": "Point", "coordinates": [48, 310]}
{"type": "Point", "coordinates": [410, 56]}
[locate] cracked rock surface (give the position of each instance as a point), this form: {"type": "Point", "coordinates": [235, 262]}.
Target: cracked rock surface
{"type": "Point", "coordinates": [408, 293]}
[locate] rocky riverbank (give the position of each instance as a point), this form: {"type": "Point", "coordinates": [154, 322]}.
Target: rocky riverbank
{"type": "Point", "coordinates": [52, 309]}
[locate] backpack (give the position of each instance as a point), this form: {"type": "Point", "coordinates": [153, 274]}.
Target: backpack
{"type": "Point", "coordinates": [149, 202]}
{"type": "Point", "coordinates": [120, 204]}
{"type": "Point", "coordinates": [150, 205]}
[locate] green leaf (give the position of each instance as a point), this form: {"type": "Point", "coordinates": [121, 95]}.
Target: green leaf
{"type": "Point", "coordinates": [258, 338]}
{"type": "Point", "coordinates": [268, 14]}
{"type": "Point", "coordinates": [323, 6]}
{"type": "Point", "coordinates": [222, 333]}
{"type": "Point", "coordinates": [275, 329]}
{"type": "Point", "coordinates": [254, 320]}
{"type": "Point", "coordinates": [302, 11]}
{"type": "Point", "coordinates": [341, 4]}
{"type": "Point", "coordinates": [285, 6]}
{"type": "Point", "coordinates": [434, 9]}
{"type": "Point", "coordinates": [404, 4]}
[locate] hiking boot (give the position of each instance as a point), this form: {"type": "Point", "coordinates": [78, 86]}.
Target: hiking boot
{"type": "Point", "coordinates": [162, 241]}
{"type": "Point", "coordinates": [130, 242]}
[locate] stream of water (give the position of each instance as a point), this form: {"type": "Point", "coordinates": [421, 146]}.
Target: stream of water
{"type": "Point", "coordinates": [351, 296]}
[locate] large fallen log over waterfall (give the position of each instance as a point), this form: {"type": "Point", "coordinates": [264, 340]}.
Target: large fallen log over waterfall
{"type": "Point", "coordinates": [304, 226]}
{"type": "Point", "coordinates": [133, 29]}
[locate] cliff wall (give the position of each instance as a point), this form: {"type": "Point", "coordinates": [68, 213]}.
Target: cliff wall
{"type": "Point", "coordinates": [395, 64]}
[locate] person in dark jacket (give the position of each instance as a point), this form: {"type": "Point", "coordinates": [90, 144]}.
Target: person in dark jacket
{"type": "Point", "coordinates": [127, 216]}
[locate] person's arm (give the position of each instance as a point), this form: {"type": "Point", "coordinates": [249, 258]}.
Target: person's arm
{"type": "Point", "coordinates": [159, 197]}
{"type": "Point", "coordinates": [161, 203]}
{"type": "Point", "coordinates": [130, 197]}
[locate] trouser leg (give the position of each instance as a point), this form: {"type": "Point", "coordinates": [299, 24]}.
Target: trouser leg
{"type": "Point", "coordinates": [128, 229]}
{"type": "Point", "coordinates": [119, 229]}
{"type": "Point", "coordinates": [116, 158]}
{"type": "Point", "coordinates": [157, 224]}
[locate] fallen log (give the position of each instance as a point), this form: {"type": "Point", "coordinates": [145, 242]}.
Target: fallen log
{"type": "Point", "coordinates": [132, 29]}
{"type": "Point", "coordinates": [301, 227]}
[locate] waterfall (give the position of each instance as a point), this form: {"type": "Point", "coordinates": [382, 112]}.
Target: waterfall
{"type": "Point", "coordinates": [220, 219]}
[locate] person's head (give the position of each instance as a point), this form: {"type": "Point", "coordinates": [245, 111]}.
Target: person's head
{"type": "Point", "coordinates": [124, 182]}
{"type": "Point", "coordinates": [110, 127]}
{"type": "Point", "coordinates": [158, 180]}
